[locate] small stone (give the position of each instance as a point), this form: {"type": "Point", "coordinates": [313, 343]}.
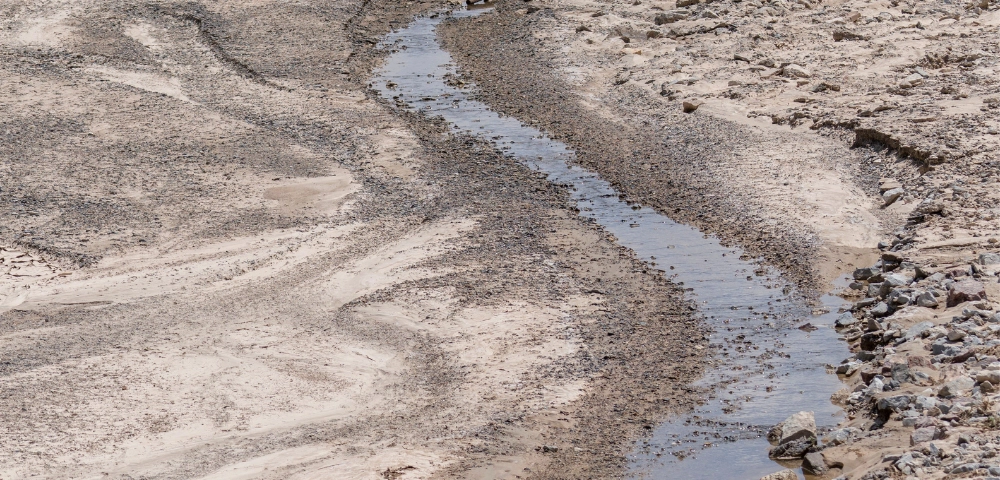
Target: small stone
{"type": "Point", "coordinates": [897, 280]}
{"type": "Point", "coordinates": [845, 319]}
{"type": "Point", "coordinates": [968, 467]}
{"type": "Point", "coordinates": [686, 3]}
{"type": "Point", "coordinates": [848, 369]}
{"type": "Point", "coordinates": [912, 80]}
{"type": "Point", "coordinates": [956, 335]}
{"type": "Point", "coordinates": [839, 437]}
{"type": "Point", "coordinates": [895, 403]}
{"type": "Point", "coordinates": [691, 106]}
{"type": "Point", "coordinates": [922, 435]}
{"type": "Point", "coordinates": [782, 475]}
{"type": "Point", "coordinates": [925, 403]}
{"type": "Point", "coordinates": [989, 259]}
{"type": "Point", "coordinates": [622, 76]}
{"type": "Point", "coordinates": [966, 291]}
{"type": "Point", "coordinates": [890, 197]}
{"type": "Point", "coordinates": [992, 376]}
{"type": "Point", "coordinates": [918, 329]}
{"type": "Point", "coordinates": [814, 463]}
{"type": "Point", "coordinates": [801, 425]}
{"type": "Point", "coordinates": [956, 387]}
{"type": "Point", "coordinates": [880, 310]}
{"type": "Point", "coordinates": [670, 17]}
{"type": "Point", "coordinates": [866, 273]}
{"type": "Point", "coordinates": [797, 71]}
{"type": "Point", "coordinates": [987, 387]}
{"type": "Point", "coordinates": [927, 300]}
{"type": "Point", "coordinates": [791, 450]}
{"type": "Point", "coordinates": [840, 35]}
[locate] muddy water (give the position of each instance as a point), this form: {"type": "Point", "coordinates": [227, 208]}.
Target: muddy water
{"type": "Point", "coordinates": [764, 368]}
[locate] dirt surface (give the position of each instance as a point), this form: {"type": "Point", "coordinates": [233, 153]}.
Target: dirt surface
{"type": "Point", "coordinates": [222, 259]}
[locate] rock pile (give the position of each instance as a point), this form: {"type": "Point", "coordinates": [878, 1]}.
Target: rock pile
{"type": "Point", "coordinates": [926, 339]}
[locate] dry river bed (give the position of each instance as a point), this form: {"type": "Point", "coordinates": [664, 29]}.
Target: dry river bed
{"type": "Point", "coordinates": [224, 256]}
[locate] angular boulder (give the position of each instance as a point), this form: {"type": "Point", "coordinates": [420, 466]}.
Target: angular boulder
{"type": "Point", "coordinates": [966, 291]}
{"type": "Point", "coordinates": [799, 426]}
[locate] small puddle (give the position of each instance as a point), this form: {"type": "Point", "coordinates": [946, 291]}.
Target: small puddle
{"type": "Point", "coordinates": [764, 368]}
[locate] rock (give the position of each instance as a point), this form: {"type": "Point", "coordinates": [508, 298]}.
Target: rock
{"type": "Point", "coordinates": [925, 403]}
{"type": "Point", "coordinates": [895, 403]}
{"type": "Point", "coordinates": [929, 207]}
{"type": "Point", "coordinates": [870, 341]}
{"type": "Point", "coordinates": [845, 319]}
{"type": "Point", "coordinates": [814, 464]}
{"type": "Point", "coordinates": [927, 300]}
{"type": "Point", "coordinates": [941, 348]}
{"type": "Point", "coordinates": [880, 310]}
{"type": "Point", "coordinates": [912, 81]}
{"type": "Point", "coordinates": [899, 298]}
{"type": "Point", "coordinates": [791, 450]}
{"type": "Point", "coordinates": [918, 329]}
{"type": "Point", "coordinates": [782, 475]}
{"type": "Point", "coordinates": [686, 3]}
{"type": "Point", "coordinates": [897, 280]}
{"type": "Point", "coordinates": [924, 434]}
{"type": "Point", "coordinates": [901, 373]}
{"type": "Point", "coordinates": [991, 376]}
{"type": "Point", "coordinates": [965, 468]}
{"type": "Point", "coordinates": [866, 273]}
{"type": "Point", "coordinates": [622, 76]}
{"type": "Point", "coordinates": [956, 387]}
{"type": "Point", "coordinates": [873, 325]}
{"type": "Point", "coordinates": [865, 303]}
{"type": "Point", "coordinates": [848, 369]}
{"type": "Point", "coordinates": [709, 14]}
{"type": "Point", "coordinates": [956, 335]}
{"type": "Point", "coordinates": [875, 387]}
{"type": "Point", "coordinates": [989, 259]}
{"type": "Point", "coordinates": [840, 437]}
{"type": "Point", "coordinates": [670, 17]}
{"type": "Point", "coordinates": [906, 463]}
{"type": "Point", "coordinates": [840, 35]}
{"type": "Point", "coordinates": [691, 106]}
{"type": "Point", "coordinates": [797, 71]}
{"type": "Point", "coordinates": [987, 387]}
{"type": "Point", "coordinates": [890, 197]}
{"type": "Point", "coordinates": [966, 291]}
{"type": "Point", "coordinates": [801, 425]}
{"type": "Point", "coordinates": [824, 86]}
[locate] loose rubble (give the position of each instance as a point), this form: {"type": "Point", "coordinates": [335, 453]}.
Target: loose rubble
{"type": "Point", "coordinates": [926, 338]}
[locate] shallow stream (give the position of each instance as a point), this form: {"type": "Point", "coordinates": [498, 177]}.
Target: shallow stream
{"type": "Point", "coordinates": [766, 369]}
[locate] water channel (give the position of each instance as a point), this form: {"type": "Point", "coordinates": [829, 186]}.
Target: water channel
{"type": "Point", "coordinates": [764, 369]}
